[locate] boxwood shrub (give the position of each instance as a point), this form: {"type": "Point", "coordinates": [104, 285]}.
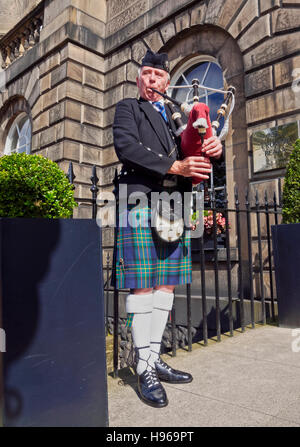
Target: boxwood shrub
{"type": "Point", "coordinates": [34, 186]}
{"type": "Point", "coordinates": [291, 188]}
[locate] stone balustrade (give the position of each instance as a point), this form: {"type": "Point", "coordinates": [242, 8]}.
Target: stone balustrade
{"type": "Point", "coordinates": [22, 37]}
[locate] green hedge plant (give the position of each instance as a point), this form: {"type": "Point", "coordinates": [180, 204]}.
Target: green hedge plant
{"type": "Point", "coordinates": [34, 186]}
{"type": "Point", "coordinates": [291, 189]}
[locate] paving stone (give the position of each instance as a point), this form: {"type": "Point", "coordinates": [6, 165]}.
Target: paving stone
{"type": "Point", "coordinates": [236, 383]}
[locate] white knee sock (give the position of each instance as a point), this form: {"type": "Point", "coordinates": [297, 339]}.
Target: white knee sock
{"type": "Point", "coordinates": [141, 307]}
{"type": "Point", "coordinates": [162, 304]}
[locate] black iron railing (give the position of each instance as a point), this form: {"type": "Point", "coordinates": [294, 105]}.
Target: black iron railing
{"type": "Point", "coordinates": [248, 218]}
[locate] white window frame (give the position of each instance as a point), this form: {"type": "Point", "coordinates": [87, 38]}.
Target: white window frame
{"type": "Point", "coordinates": [15, 126]}
{"type": "Point", "coordinates": [190, 63]}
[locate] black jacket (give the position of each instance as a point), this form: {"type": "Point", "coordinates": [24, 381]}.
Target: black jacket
{"type": "Point", "coordinates": [145, 146]}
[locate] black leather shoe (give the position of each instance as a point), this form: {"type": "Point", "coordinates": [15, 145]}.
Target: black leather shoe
{"type": "Point", "coordinates": [168, 374]}
{"type": "Point", "coordinates": [151, 390]}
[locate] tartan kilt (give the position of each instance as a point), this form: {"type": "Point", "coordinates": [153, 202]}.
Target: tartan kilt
{"type": "Point", "coordinates": [142, 260]}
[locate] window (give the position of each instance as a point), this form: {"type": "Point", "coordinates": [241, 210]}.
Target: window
{"type": "Point", "coordinates": [19, 136]}
{"type": "Point", "coordinates": [209, 74]}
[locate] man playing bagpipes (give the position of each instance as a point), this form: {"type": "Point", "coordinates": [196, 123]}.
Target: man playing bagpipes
{"type": "Point", "coordinates": [146, 143]}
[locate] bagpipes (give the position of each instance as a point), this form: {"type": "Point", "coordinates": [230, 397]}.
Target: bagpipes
{"type": "Point", "coordinates": [199, 126]}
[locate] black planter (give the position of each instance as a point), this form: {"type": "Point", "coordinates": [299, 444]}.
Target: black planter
{"type": "Point", "coordinates": [51, 301]}
{"type": "Point", "coordinates": [286, 245]}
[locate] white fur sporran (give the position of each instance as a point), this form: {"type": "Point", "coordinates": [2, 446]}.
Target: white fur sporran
{"type": "Point", "coordinates": [168, 222]}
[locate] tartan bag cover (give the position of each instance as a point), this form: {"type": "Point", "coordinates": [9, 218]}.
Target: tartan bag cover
{"type": "Point", "coordinates": [144, 261]}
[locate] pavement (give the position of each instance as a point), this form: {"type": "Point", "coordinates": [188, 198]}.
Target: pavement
{"type": "Point", "coordinates": [249, 380]}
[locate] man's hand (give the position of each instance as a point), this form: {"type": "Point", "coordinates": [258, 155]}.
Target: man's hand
{"type": "Point", "coordinates": [212, 147]}
{"type": "Point", "coordinates": [197, 167]}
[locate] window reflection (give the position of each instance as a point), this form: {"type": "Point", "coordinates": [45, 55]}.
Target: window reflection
{"type": "Point", "coordinates": [19, 136]}
{"type": "Point", "coordinates": [209, 74]}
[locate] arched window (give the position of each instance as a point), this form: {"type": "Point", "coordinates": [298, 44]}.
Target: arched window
{"type": "Point", "coordinates": [209, 74]}
{"type": "Point", "coordinates": [19, 135]}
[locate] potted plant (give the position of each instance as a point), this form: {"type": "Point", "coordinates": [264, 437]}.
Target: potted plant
{"type": "Point", "coordinates": [286, 245]}
{"type": "Point", "coordinates": [53, 370]}
{"type": "Point", "coordinates": [208, 236]}
{"type": "Point", "coordinates": [209, 228]}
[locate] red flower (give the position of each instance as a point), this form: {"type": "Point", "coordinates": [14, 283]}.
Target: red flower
{"type": "Point", "coordinates": [209, 222]}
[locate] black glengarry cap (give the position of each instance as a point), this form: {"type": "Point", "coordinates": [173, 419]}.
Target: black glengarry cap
{"type": "Point", "coordinates": [156, 60]}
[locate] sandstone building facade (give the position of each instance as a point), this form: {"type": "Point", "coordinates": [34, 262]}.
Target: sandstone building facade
{"type": "Point", "coordinates": [66, 63]}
